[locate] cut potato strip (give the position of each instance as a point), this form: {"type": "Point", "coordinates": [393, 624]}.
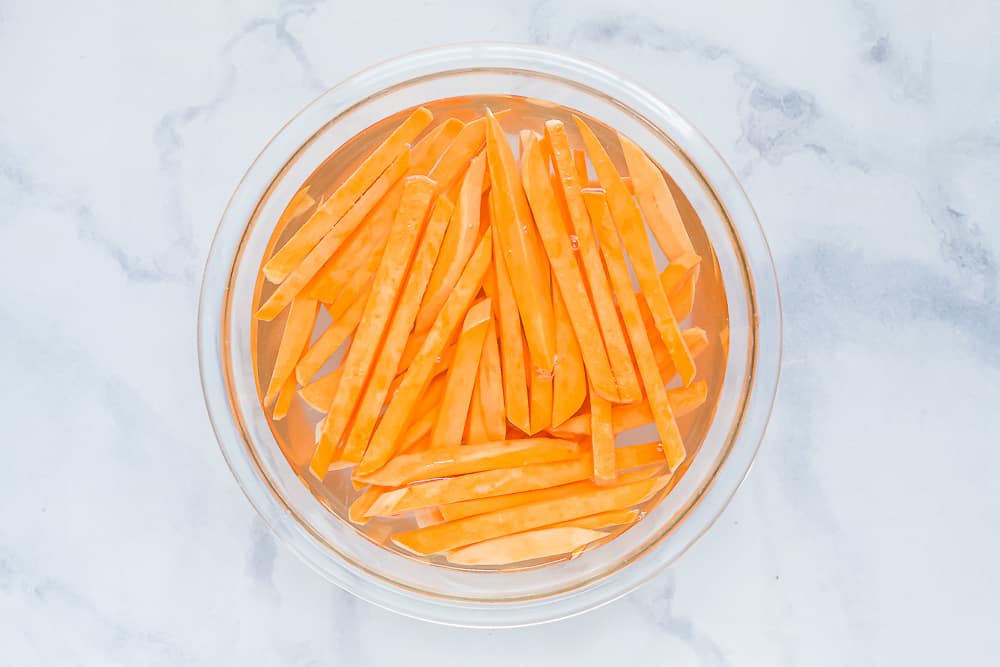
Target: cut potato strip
{"type": "Point", "coordinates": [602, 520]}
{"type": "Point", "coordinates": [284, 401]}
{"type": "Point", "coordinates": [580, 165]}
{"type": "Point", "coordinates": [427, 151]}
{"type": "Point", "coordinates": [628, 220]}
{"type": "Point", "coordinates": [602, 440]}
{"type": "Point", "coordinates": [397, 414]}
{"type": "Point", "coordinates": [334, 208]}
{"type": "Point", "coordinates": [330, 341]}
{"type": "Point", "coordinates": [425, 413]}
{"type": "Point", "coordinates": [502, 481]}
{"type": "Point", "coordinates": [490, 385]}
{"type": "Point", "coordinates": [682, 301]}
{"type": "Point", "coordinates": [678, 272]}
{"type": "Point", "coordinates": [294, 340]}
{"type": "Point", "coordinates": [455, 511]}
{"type": "Point", "coordinates": [318, 393]}
{"type": "Point", "coordinates": [593, 269]}
{"type": "Point", "coordinates": [456, 158]}
{"type": "Point", "coordinates": [459, 242]}
{"type": "Point", "coordinates": [313, 262]}
{"type": "Point", "coordinates": [656, 394]}
{"type": "Point", "coordinates": [683, 400]}
{"type": "Point", "coordinates": [566, 271]}
{"type": "Point", "coordinates": [518, 248]}
{"type": "Point", "coordinates": [358, 511]}
{"type": "Point", "coordinates": [466, 459]}
{"type": "Point", "coordinates": [657, 204]}
{"type": "Point", "coordinates": [386, 364]}
{"type": "Point", "coordinates": [530, 545]}
{"type": "Point", "coordinates": [406, 229]}
{"type": "Point", "coordinates": [512, 353]}
{"type": "Point", "coordinates": [454, 409]}
{"type": "Point", "coordinates": [569, 387]}
{"type": "Point", "coordinates": [540, 396]}
{"type": "Point", "coordinates": [455, 534]}
{"type": "Point", "coordinates": [475, 424]}
{"type": "Point", "coordinates": [358, 253]}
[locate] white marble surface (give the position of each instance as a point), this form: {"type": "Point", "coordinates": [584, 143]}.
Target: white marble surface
{"type": "Point", "coordinates": [868, 138]}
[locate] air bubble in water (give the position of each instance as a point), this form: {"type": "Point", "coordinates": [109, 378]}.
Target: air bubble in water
{"type": "Point", "coordinates": [574, 242]}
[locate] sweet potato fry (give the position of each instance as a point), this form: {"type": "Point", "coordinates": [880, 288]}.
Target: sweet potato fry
{"type": "Point", "coordinates": [475, 424]}
{"type": "Point", "coordinates": [386, 437]}
{"type": "Point", "coordinates": [490, 385]}
{"type": "Point", "coordinates": [505, 481]}
{"type": "Point", "coordinates": [683, 400]}
{"type": "Point", "coordinates": [602, 520]}
{"type": "Point", "coordinates": [569, 387]}
{"type": "Point", "coordinates": [656, 394]}
{"type": "Point", "coordinates": [424, 412]}
{"type": "Point", "coordinates": [515, 380]}
{"type": "Point", "coordinates": [318, 393]}
{"type": "Point", "coordinates": [284, 400]}
{"type": "Point", "coordinates": [358, 511]}
{"type": "Point", "coordinates": [455, 534]}
{"type": "Point", "coordinates": [460, 510]}
{"type": "Point", "coordinates": [526, 546]}
{"type": "Point", "coordinates": [334, 208]}
{"type": "Point", "coordinates": [657, 204]}
{"type": "Point", "coordinates": [602, 440]}
{"type": "Point", "coordinates": [317, 258]}
{"type": "Point", "coordinates": [566, 271]}
{"type": "Point", "coordinates": [457, 246]}
{"type": "Point", "coordinates": [428, 150]}
{"type": "Point", "coordinates": [455, 403]}
{"type": "Point", "coordinates": [593, 270]}
{"type": "Point", "coordinates": [386, 363]}
{"type": "Point", "coordinates": [406, 229]}
{"type": "Point", "coordinates": [294, 339]}
{"type": "Point", "coordinates": [580, 165]}
{"type": "Point", "coordinates": [464, 459]}
{"type": "Point", "coordinates": [628, 220]}
{"type": "Point", "coordinates": [329, 341]}
{"type": "Point", "coordinates": [456, 158]}
{"type": "Point", "coordinates": [518, 247]}
{"type": "Point", "coordinates": [540, 389]}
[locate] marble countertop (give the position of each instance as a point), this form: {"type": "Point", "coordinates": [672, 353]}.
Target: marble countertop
{"type": "Point", "coordinates": [867, 136]}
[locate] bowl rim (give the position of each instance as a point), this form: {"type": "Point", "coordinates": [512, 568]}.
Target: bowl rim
{"type": "Point", "coordinates": [722, 486]}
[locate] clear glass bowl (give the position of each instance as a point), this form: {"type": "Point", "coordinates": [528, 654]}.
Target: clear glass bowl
{"type": "Point", "coordinates": [476, 598]}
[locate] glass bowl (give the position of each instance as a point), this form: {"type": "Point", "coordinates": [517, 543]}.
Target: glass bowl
{"type": "Point", "coordinates": [478, 598]}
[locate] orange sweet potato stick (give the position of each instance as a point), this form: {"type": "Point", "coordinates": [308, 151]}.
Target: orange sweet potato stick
{"type": "Point", "coordinates": [628, 220]}
{"type": "Point", "coordinates": [504, 481]}
{"type": "Point", "coordinates": [359, 252]}
{"type": "Point", "coordinates": [457, 397]}
{"type": "Point", "coordinates": [358, 511]}
{"type": "Point", "coordinates": [475, 424]}
{"type": "Point", "coordinates": [397, 414]}
{"type": "Point", "coordinates": [569, 387]}
{"type": "Point", "coordinates": [455, 534]}
{"type": "Point", "coordinates": [580, 165]}
{"type": "Point", "coordinates": [406, 229]}
{"type": "Point", "coordinates": [294, 339]}
{"type": "Point", "coordinates": [460, 510]}
{"type": "Point", "coordinates": [429, 149]}
{"type": "Point", "coordinates": [602, 440]}
{"type": "Point", "coordinates": [456, 158]}
{"type": "Point", "coordinates": [679, 279]}
{"type": "Point", "coordinates": [566, 271]}
{"type": "Point", "coordinates": [515, 380]}
{"type": "Point", "coordinates": [490, 385]}
{"type": "Point", "coordinates": [529, 545]}
{"type": "Point", "coordinates": [656, 394]}
{"type": "Point", "coordinates": [540, 390]}
{"type": "Point", "coordinates": [424, 413]}
{"type": "Point", "coordinates": [683, 400]}
{"type": "Point", "coordinates": [601, 520]}
{"type": "Point", "coordinates": [329, 342]}
{"type": "Point", "coordinates": [657, 204]}
{"type": "Point", "coordinates": [590, 257]}
{"type": "Point", "coordinates": [386, 364]}
{"type": "Point", "coordinates": [459, 242]}
{"type": "Point", "coordinates": [318, 393]}
{"type": "Point", "coordinates": [317, 258]}
{"type": "Point", "coordinates": [465, 459]}
{"type": "Point", "coordinates": [518, 248]}
{"type": "Point", "coordinates": [285, 397]}
{"type": "Point", "coordinates": [334, 208]}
